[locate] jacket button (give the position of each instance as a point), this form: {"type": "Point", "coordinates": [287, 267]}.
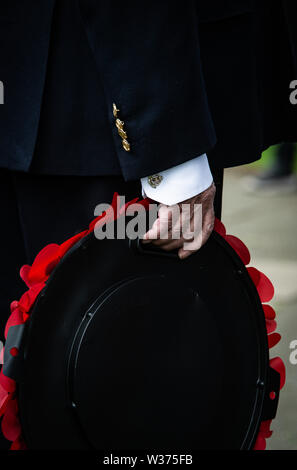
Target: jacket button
{"type": "Point", "coordinates": [119, 123]}
{"type": "Point", "coordinates": [115, 110]}
{"type": "Point", "coordinates": [122, 133]}
{"type": "Point", "coordinates": [126, 145]}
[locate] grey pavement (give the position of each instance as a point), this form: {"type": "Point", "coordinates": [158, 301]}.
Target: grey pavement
{"type": "Point", "coordinates": [267, 223]}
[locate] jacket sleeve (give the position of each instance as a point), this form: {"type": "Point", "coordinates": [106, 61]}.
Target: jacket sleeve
{"type": "Point", "coordinates": [148, 59]}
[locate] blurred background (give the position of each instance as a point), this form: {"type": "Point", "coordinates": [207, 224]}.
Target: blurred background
{"type": "Point", "coordinates": [259, 206]}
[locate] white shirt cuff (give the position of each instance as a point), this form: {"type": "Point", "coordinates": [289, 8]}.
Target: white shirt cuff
{"type": "Point", "coordinates": [179, 182]}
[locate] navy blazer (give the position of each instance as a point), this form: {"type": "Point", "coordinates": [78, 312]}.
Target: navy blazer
{"type": "Point", "coordinates": [107, 87]}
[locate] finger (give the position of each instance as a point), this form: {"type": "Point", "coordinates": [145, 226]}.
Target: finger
{"type": "Point", "coordinates": [208, 225]}
{"type": "Point", "coordinates": [175, 239]}
{"type": "Point", "coordinates": [169, 245]}
{"type": "Point", "coordinates": [168, 238]}
{"type": "Point", "coordinates": [192, 247]}
{"type": "Point", "coordinates": [200, 238]}
{"type": "Point", "coordinates": [153, 233]}
{"type": "Point", "coordinates": [159, 228]}
{"type": "Point", "coordinates": [162, 227]}
{"type": "Point", "coordinates": [186, 240]}
{"type": "Point", "coordinates": [184, 234]}
{"type": "Point", "coordinates": [183, 254]}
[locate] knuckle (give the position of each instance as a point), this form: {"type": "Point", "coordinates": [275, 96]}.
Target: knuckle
{"type": "Point", "coordinates": [167, 248]}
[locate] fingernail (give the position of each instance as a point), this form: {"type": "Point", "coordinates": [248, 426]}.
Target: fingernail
{"type": "Point", "coordinates": [183, 255]}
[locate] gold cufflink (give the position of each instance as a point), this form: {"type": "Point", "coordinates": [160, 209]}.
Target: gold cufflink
{"type": "Point", "coordinates": [154, 180]}
{"type": "Point", "coordinates": [120, 127]}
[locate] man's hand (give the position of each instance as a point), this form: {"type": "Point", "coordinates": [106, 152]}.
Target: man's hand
{"type": "Point", "coordinates": [164, 223]}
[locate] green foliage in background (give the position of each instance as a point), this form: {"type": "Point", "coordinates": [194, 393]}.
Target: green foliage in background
{"type": "Point", "coordinates": [268, 157]}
